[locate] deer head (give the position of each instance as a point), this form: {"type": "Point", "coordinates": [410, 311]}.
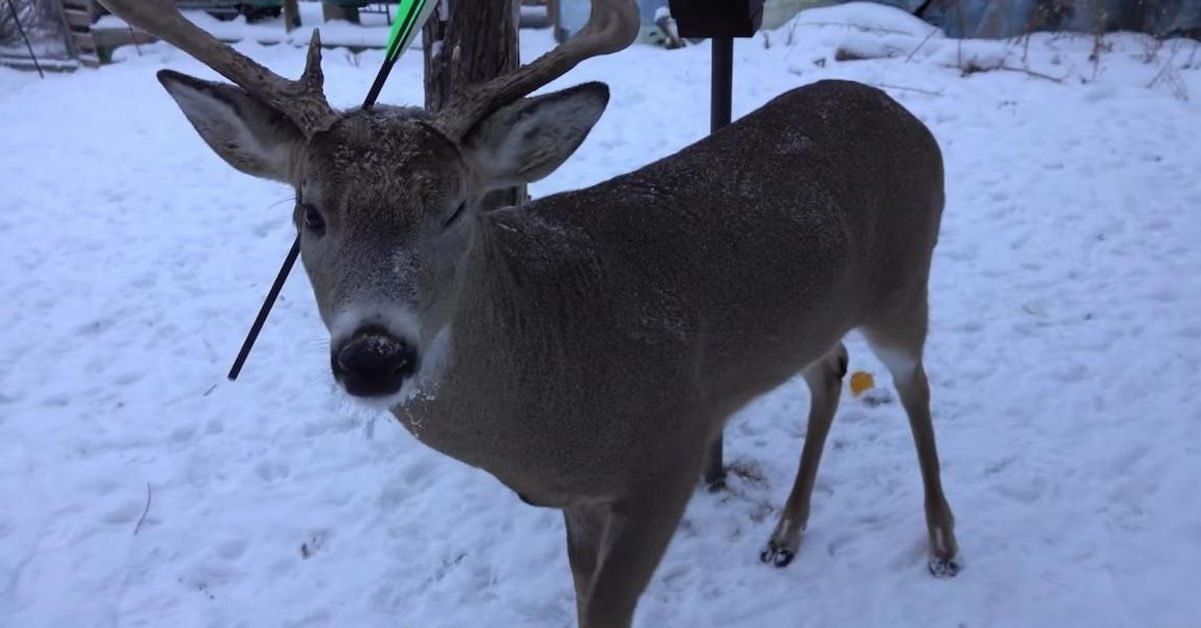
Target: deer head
{"type": "Point", "coordinates": [386, 198]}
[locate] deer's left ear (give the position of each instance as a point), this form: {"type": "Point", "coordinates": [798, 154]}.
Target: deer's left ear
{"type": "Point", "coordinates": [247, 134]}
{"type": "Point", "coordinates": [529, 139]}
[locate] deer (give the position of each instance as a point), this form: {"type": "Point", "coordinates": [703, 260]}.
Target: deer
{"type": "Point", "coordinates": [587, 348]}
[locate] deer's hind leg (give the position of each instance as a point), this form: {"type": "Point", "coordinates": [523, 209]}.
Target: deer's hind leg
{"type": "Point", "coordinates": [824, 378]}
{"type": "Point", "coordinates": [899, 341]}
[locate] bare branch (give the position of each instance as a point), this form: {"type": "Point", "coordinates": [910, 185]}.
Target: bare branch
{"type": "Point", "coordinates": [144, 511]}
{"type": "Point", "coordinates": [919, 46]}
{"type": "Point", "coordinates": [906, 89]}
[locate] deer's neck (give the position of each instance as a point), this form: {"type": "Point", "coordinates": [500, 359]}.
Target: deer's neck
{"type": "Point", "coordinates": [515, 278]}
{"type": "Point", "coordinates": [507, 324]}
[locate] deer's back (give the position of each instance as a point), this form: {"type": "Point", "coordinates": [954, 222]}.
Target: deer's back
{"type": "Point", "coordinates": [793, 224]}
{"type": "Point", "coordinates": [631, 315]}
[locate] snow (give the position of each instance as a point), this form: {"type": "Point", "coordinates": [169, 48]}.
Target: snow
{"type": "Point", "coordinates": [864, 16]}
{"type": "Point", "coordinates": [1063, 355]}
{"type": "Point", "coordinates": [372, 31]}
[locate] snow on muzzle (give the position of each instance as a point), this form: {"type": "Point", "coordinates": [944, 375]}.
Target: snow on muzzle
{"type": "Point", "coordinates": [377, 355]}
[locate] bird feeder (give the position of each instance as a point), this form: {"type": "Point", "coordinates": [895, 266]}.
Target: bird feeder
{"type": "Point", "coordinates": [717, 19]}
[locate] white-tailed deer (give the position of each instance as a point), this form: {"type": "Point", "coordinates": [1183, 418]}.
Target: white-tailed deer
{"type": "Point", "coordinates": [586, 348]}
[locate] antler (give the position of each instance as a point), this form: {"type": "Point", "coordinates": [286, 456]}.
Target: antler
{"type": "Point", "coordinates": [302, 101]}
{"type": "Point", "coordinates": [612, 26]}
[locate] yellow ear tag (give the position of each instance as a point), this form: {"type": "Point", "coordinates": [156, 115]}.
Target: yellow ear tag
{"type": "Point", "coordinates": [861, 381]}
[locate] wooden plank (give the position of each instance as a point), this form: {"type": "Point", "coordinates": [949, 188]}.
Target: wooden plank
{"type": "Point", "coordinates": [113, 37]}
{"type": "Point", "coordinates": [84, 44]}
{"type": "Point", "coordinates": [78, 19]}
{"type": "Point", "coordinates": [85, 8]}
{"type": "Point", "coordinates": [48, 65]}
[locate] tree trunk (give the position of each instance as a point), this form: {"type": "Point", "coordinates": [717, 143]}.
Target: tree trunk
{"type": "Point", "coordinates": [291, 15]}
{"type": "Point", "coordinates": [467, 42]}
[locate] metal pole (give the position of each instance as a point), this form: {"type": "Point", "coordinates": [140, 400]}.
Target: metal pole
{"type": "Point", "coordinates": [722, 84]}
{"type": "Point", "coordinates": [21, 29]}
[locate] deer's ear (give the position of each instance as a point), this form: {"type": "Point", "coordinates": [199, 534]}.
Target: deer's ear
{"type": "Point", "coordinates": [247, 134]}
{"type": "Point", "coordinates": [529, 139]}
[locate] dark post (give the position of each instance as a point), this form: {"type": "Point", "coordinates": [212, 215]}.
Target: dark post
{"type": "Point", "coordinates": [721, 87]}
{"type": "Point", "coordinates": [721, 21]}
{"type": "Point", "coordinates": [722, 83]}
{"type": "Point", "coordinates": [291, 11]}
{"type": "Point", "coordinates": [720, 106]}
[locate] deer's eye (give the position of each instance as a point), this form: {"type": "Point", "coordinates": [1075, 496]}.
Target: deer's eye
{"type": "Point", "coordinates": [455, 216]}
{"type": "Point", "coordinates": [313, 221]}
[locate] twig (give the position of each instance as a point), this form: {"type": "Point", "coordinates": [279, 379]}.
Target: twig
{"type": "Point", "coordinates": [1167, 73]}
{"type": "Point", "coordinates": [1163, 70]}
{"type": "Point", "coordinates": [792, 33]}
{"type": "Point", "coordinates": [133, 38]}
{"type": "Point", "coordinates": [1030, 72]}
{"type": "Point", "coordinates": [962, 34]}
{"type": "Point", "coordinates": [28, 44]}
{"type": "Point", "coordinates": [212, 352]}
{"type": "Point", "coordinates": [859, 27]}
{"type": "Point", "coordinates": [919, 46]}
{"type": "Point", "coordinates": [210, 390]}
{"type": "Point", "coordinates": [972, 68]}
{"type": "Point", "coordinates": [1098, 43]}
{"type": "Point", "coordinates": [908, 89]}
{"type": "Point", "coordinates": [144, 511]}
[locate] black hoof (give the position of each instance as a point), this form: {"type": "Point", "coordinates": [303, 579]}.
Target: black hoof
{"type": "Point", "coordinates": [716, 486]}
{"type": "Point", "coordinates": [776, 556]}
{"type": "Point", "coordinates": [943, 568]}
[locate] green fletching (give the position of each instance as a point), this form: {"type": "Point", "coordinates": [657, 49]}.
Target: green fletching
{"type": "Point", "coordinates": [411, 15]}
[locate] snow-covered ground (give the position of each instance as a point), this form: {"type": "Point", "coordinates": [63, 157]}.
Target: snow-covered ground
{"type": "Point", "coordinates": [1064, 357]}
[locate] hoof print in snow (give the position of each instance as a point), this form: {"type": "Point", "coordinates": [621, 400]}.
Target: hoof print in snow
{"type": "Point", "coordinates": [310, 547]}
{"type": "Point", "coordinates": [877, 397]}
{"type": "Point", "coordinates": [776, 556]}
{"type": "Point", "coordinates": [943, 568]}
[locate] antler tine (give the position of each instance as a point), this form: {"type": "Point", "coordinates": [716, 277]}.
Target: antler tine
{"type": "Point", "coordinates": [612, 26]}
{"type": "Point", "coordinates": [302, 101]}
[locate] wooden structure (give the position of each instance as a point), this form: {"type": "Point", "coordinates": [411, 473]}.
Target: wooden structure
{"type": "Point", "coordinates": [78, 16]}
{"type": "Point", "coordinates": [89, 44]}
{"type": "Point", "coordinates": [91, 40]}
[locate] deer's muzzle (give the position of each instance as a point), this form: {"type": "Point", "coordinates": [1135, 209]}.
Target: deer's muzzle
{"type": "Point", "coordinates": [373, 363]}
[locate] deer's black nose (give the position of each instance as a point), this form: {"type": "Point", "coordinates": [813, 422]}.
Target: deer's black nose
{"type": "Point", "coordinates": [373, 363]}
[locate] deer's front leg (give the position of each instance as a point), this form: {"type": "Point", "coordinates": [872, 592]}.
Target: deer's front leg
{"type": "Point", "coordinates": [638, 532]}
